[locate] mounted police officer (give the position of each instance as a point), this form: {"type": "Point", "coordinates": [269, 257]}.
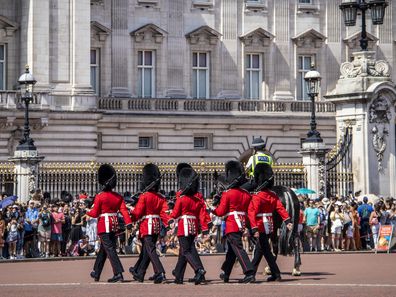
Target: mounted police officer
{"type": "Point", "coordinates": [106, 205]}
{"type": "Point", "coordinates": [260, 156]}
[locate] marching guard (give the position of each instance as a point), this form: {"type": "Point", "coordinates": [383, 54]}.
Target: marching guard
{"type": "Point", "coordinates": [233, 206]}
{"type": "Point", "coordinates": [150, 211]}
{"type": "Point", "coordinates": [190, 213]}
{"type": "Point", "coordinates": [262, 206]}
{"type": "Point", "coordinates": [106, 205]}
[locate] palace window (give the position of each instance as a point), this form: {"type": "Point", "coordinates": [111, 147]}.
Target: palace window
{"type": "Point", "coordinates": [253, 76]}
{"type": "Point", "coordinates": [95, 71]}
{"type": "Point", "coordinates": [304, 65]}
{"type": "Point", "coordinates": [146, 74]}
{"type": "Point", "coordinates": [146, 142]}
{"type": "Point", "coordinates": [201, 143]}
{"type": "Point", "coordinates": [305, 1]}
{"type": "Point", "coordinates": [200, 75]}
{"type": "Point", "coordinates": [2, 67]}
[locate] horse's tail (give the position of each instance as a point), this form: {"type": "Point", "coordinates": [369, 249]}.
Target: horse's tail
{"type": "Point", "coordinates": [292, 205]}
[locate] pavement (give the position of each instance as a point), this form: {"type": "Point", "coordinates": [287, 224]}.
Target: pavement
{"type": "Point", "coordinates": [324, 274]}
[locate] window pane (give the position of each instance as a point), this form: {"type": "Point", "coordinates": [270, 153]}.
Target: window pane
{"type": "Point", "coordinates": [145, 142]}
{"type": "Point", "coordinates": [148, 58]}
{"type": "Point", "coordinates": [147, 83]}
{"type": "Point", "coordinates": [256, 61]}
{"type": "Point", "coordinates": [2, 52]}
{"type": "Point", "coordinates": [195, 64]}
{"type": "Point", "coordinates": [307, 63]}
{"type": "Point", "coordinates": [200, 142]}
{"type": "Point", "coordinates": [93, 78]}
{"type": "Point", "coordinates": [247, 61]}
{"type": "Point", "coordinates": [247, 84]}
{"type": "Point", "coordinates": [194, 88]}
{"type": "Point", "coordinates": [255, 85]}
{"type": "Point", "coordinates": [202, 84]}
{"type": "Point", "coordinates": [2, 78]}
{"type": "Point", "coordinates": [300, 62]}
{"type": "Point", "coordinates": [202, 60]}
{"type": "Point", "coordinates": [140, 58]}
{"type": "Point", "coordinates": [140, 82]}
{"type": "Point", "coordinates": [93, 57]}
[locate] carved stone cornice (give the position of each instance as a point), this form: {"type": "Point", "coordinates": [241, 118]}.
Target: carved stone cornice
{"type": "Point", "coordinates": [8, 26]}
{"type": "Point", "coordinates": [309, 38]}
{"type": "Point", "coordinates": [353, 41]}
{"type": "Point", "coordinates": [363, 65]}
{"type": "Point", "coordinates": [203, 35]}
{"type": "Point", "coordinates": [258, 36]}
{"type": "Point", "coordinates": [101, 30]}
{"type": "Point", "coordinates": [149, 32]}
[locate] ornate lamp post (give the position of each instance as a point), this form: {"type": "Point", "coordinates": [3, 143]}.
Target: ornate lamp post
{"type": "Point", "coordinates": [312, 79]}
{"type": "Point", "coordinates": [27, 83]}
{"type": "Point", "coordinates": [349, 9]}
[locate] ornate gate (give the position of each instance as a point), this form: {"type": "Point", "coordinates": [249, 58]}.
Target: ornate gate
{"type": "Point", "coordinates": [339, 176]}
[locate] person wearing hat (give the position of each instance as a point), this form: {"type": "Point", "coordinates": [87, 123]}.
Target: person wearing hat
{"type": "Point", "coordinates": [150, 211]}
{"type": "Point", "coordinates": [182, 261]}
{"type": "Point", "coordinates": [263, 204]}
{"type": "Point", "coordinates": [259, 156]}
{"type": "Point", "coordinates": [106, 206]}
{"type": "Point", "coordinates": [190, 214]}
{"type": "Point", "coordinates": [233, 207]}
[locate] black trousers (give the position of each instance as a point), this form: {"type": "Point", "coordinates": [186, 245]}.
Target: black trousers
{"type": "Point", "coordinates": [108, 245]}
{"type": "Point", "coordinates": [235, 250]}
{"type": "Point", "coordinates": [187, 253]}
{"type": "Point", "coordinates": [263, 249]}
{"type": "Point", "coordinates": [149, 254]}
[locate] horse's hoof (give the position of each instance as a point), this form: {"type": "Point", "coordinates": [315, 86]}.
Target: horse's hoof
{"type": "Point", "coordinates": [296, 272]}
{"type": "Point", "coordinates": [267, 271]}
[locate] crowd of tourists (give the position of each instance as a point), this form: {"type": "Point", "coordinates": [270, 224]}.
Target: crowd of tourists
{"type": "Point", "coordinates": [46, 227]}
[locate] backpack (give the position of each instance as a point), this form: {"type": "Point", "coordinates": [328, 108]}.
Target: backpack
{"type": "Point", "coordinates": [46, 220]}
{"type": "Point", "coordinates": [365, 213]}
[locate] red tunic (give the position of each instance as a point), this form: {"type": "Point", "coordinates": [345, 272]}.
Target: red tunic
{"type": "Point", "coordinates": [150, 211]}
{"type": "Point", "coordinates": [261, 207]}
{"type": "Point", "coordinates": [234, 205]}
{"type": "Point", "coordinates": [189, 211]}
{"type": "Point", "coordinates": [106, 206]}
{"type": "Point", "coordinates": [205, 213]}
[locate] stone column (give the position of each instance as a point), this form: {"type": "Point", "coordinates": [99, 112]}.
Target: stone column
{"type": "Point", "coordinates": [35, 51]}
{"type": "Point", "coordinates": [313, 154]}
{"type": "Point", "coordinates": [365, 97]}
{"type": "Point", "coordinates": [26, 170]}
{"type": "Point", "coordinates": [120, 41]}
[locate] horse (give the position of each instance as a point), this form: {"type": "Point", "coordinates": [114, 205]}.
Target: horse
{"type": "Point", "coordinates": [287, 241]}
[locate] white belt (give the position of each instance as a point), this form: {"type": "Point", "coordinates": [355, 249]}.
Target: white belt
{"type": "Point", "coordinates": [185, 222]}
{"type": "Point", "coordinates": [107, 222]}
{"type": "Point", "coordinates": [150, 222]}
{"type": "Point", "coordinates": [267, 224]}
{"type": "Point", "coordinates": [236, 215]}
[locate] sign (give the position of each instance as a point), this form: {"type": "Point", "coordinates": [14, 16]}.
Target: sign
{"type": "Point", "coordinates": [384, 238]}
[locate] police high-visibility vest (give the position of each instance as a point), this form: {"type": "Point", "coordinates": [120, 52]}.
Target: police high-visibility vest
{"type": "Point", "coordinates": [260, 158]}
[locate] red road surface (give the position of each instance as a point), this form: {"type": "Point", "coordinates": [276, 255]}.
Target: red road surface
{"type": "Point", "coordinates": [323, 275]}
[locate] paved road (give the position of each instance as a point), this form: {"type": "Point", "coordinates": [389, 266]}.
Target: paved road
{"type": "Point", "coordinates": [323, 275]}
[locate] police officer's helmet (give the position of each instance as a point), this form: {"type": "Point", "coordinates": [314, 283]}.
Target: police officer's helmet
{"type": "Point", "coordinates": [258, 143]}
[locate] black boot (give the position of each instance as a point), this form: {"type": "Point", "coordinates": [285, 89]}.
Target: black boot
{"type": "Point", "coordinates": [199, 276]}
{"type": "Point", "coordinates": [225, 278]}
{"type": "Point", "coordinates": [178, 281]}
{"type": "Point", "coordinates": [249, 278]}
{"type": "Point", "coordinates": [274, 278]}
{"type": "Point", "coordinates": [159, 278]}
{"type": "Point", "coordinates": [116, 278]}
{"type": "Point", "coordinates": [94, 276]}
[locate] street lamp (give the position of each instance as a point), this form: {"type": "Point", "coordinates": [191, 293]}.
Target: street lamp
{"type": "Point", "coordinates": [312, 79]}
{"type": "Point", "coordinates": [349, 9]}
{"type": "Point", "coordinates": [27, 83]}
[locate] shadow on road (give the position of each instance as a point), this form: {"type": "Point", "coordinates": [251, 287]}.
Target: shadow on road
{"type": "Point", "coordinates": [311, 273]}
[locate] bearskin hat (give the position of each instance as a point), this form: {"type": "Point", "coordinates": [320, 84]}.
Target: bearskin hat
{"type": "Point", "coordinates": [262, 173]}
{"type": "Point", "coordinates": [151, 176]}
{"type": "Point", "coordinates": [234, 173]}
{"type": "Point", "coordinates": [188, 181]}
{"type": "Point", "coordinates": [180, 166]}
{"type": "Point", "coordinates": [107, 177]}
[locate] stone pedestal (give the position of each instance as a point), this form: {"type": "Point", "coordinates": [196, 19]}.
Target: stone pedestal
{"type": "Point", "coordinates": [26, 170]}
{"type": "Point", "coordinates": [313, 155]}
{"type": "Point", "coordinates": [365, 98]}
